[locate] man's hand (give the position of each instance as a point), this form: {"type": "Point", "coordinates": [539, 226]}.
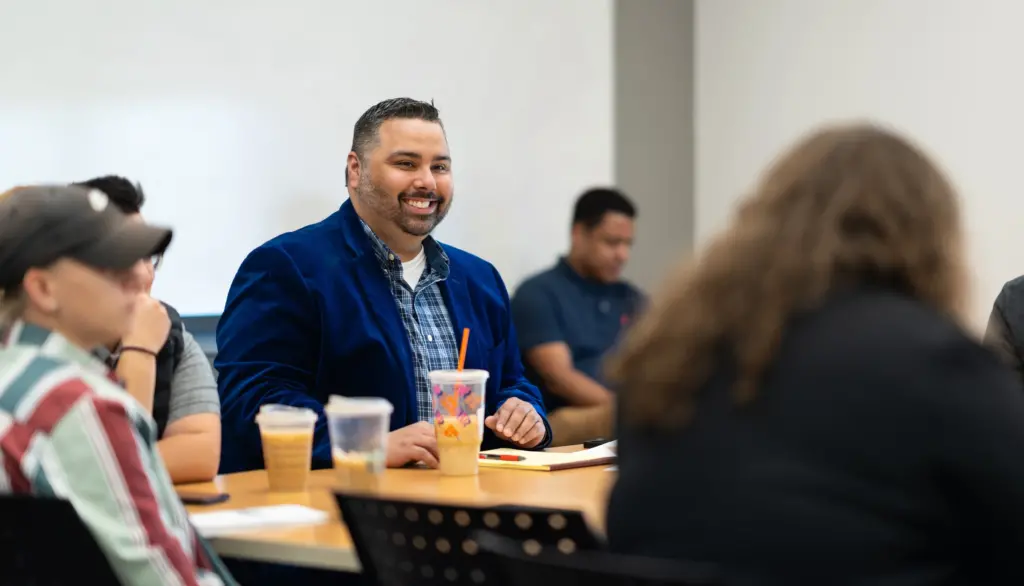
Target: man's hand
{"type": "Point", "coordinates": [517, 421]}
{"type": "Point", "coordinates": [150, 325]}
{"type": "Point", "coordinates": [412, 443]}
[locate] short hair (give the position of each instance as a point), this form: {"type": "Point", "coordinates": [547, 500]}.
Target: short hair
{"type": "Point", "coordinates": [365, 133]}
{"type": "Point", "coordinates": [592, 206]}
{"type": "Point", "coordinates": [127, 196]}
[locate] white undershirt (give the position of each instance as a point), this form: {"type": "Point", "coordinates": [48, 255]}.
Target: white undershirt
{"type": "Point", "coordinates": [412, 270]}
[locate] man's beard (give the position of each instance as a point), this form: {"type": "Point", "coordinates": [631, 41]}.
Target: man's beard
{"type": "Point", "coordinates": [391, 207]}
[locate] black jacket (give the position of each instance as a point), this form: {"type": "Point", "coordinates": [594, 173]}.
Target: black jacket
{"type": "Point", "coordinates": [166, 363]}
{"type": "Point", "coordinates": [1005, 331]}
{"type": "Point", "coordinates": [884, 447]}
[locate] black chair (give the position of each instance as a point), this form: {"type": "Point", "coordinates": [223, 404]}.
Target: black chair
{"type": "Point", "coordinates": [529, 564]}
{"type": "Point", "coordinates": [44, 543]}
{"type": "Point", "coordinates": [411, 542]}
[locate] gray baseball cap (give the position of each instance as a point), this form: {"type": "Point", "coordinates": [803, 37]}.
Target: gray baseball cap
{"type": "Point", "coordinates": [42, 224]}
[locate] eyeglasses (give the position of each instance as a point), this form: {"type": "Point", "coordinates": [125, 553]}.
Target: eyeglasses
{"type": "Point", "coordinates": [155, 260]}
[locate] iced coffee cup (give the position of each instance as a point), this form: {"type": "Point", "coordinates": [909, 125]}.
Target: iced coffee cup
{"type": "Point", "coordinates": [359, 438]}
{"type": "Point", "coordinates": [287, 436]}
{"type": "Point", "coordinates": [458, 401]}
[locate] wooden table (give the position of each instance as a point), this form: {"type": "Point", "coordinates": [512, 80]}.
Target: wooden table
{"type": "Point", "coordinates": [329, 546]}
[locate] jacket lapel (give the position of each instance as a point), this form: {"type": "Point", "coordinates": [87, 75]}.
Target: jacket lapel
{"type": "Point", "coordinates": [455, 292]}
{"type": "Point", "coordinates": [376, 293]}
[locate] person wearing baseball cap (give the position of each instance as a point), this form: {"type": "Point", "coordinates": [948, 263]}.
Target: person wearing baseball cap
{"type": "Point", "coordinates": [71, 267]}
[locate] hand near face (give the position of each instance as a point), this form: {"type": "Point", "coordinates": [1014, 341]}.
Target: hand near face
{"type": "Point", "coordinates": [518, 422]}
{"type": "Point", "coordinates": [150, 325]}
{"type": "Point", "coordinates": [412, 443]}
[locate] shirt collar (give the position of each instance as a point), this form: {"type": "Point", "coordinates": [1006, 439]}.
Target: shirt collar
{"type": "Point", "coordinates": [437, 260]}
{"type": "Point", "coordinates": [52, 344]}
{"type": "Point", "coordinates": [570, 272]}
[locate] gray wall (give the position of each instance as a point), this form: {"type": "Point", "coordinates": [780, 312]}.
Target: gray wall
{"type": "Point", "coordinates": [654, 129]}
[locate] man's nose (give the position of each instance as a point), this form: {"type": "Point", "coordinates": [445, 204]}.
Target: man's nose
{"type": "Point", "coordinates": [623, 253]}
{"type": "Point", "coordinates": [425, 180]}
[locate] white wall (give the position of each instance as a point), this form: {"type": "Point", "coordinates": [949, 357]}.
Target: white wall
{"type": "Point", "coordinates": [236, 116]}
{"type": "Point", "coordinates": [947, 72]}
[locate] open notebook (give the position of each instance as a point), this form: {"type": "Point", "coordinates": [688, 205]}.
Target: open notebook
{"type": "Point", "coordinates": [550, 461]}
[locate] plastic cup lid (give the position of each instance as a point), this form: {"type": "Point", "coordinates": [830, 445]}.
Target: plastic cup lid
{"type": "Point", "coordinates": [447, 377]}
{"type": "Point", "coordinates": [338, 406]}
{"type": "Point", "coordinates": [285, 415]}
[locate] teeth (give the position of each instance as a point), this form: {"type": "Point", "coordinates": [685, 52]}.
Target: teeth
{"type": "Point", "coordinates": [419, 203]}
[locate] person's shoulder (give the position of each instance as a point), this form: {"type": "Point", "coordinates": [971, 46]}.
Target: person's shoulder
{"type": "Point", "coordinates": [541, 290]}
{"type": "Point", "coordinates": [1011, 295]}
{"type": "Point", "coordinates": [43, 387]}
{"type": "Point", "coordinates": [542, 281]}
{"type": "Point", "coordinates": [303, 239]}
{"type": "Point", "coordinates": [302, 249]}
{"type": "Point", "coordinates": [888, 326]}
{"type": "Point", "coordinates": [889, 313]}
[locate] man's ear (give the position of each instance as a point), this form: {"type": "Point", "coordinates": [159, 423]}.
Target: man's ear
{"type": "Point", "coordinates": [353, 169]}
{"type": "Point", "coordinates": [579, 231]}
{"type": "Point", "coordinates": [38, 290]}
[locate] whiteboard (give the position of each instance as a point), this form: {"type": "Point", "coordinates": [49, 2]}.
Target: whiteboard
{"type": "Point", "coordinates": [237, 116]}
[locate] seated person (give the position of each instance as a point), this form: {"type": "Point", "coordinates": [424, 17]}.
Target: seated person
{"type": "Point", "coordinates": [71, 267]}
{"type": "Point", "coordinates": [164, 367]}
{"type": "Point", "coordinates": [575, 425]}
{"type": "Point", "coordinates": [366, 303]}
{"type": "Point", "coordinates": [1005, 331]}
{"type": "Point", "coordinates": [569, 316]}
{"type": "Point", "coordinates": [804, 404]}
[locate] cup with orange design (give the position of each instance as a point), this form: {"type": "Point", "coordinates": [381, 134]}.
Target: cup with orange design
{"type": "Point", "coordinates": [458, 401]}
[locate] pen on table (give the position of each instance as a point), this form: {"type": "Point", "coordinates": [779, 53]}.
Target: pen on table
{"type": "Point", "coordinates": [502, 457]}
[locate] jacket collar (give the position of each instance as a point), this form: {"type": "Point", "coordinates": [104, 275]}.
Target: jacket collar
{"type": "Point", "coordinates": [361, 240]}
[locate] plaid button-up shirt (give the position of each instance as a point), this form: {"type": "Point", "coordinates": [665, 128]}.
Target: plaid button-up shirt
{"type": "Point", "coordinates": [424, 315]}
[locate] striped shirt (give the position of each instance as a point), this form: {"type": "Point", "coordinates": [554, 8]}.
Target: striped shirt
{"type": "Point", "coordinates": [424, 315]}
{"type": "Point", "coordinates": [68, 431]}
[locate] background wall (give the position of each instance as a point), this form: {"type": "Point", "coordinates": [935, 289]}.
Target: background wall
{"type": "Point", "coordinates": [944, 71]}
{"type": "Point", "coordinates": [237, 116]}
{"type": "Point", "coordinates": [654, 46]}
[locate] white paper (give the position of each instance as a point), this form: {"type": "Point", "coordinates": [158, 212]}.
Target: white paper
{"type": "Point", "coordinates": [606, 450]}
{"type": "Point", "coordinates": [224, 522]}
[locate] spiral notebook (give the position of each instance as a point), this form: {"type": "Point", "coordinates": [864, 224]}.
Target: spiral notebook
{"type": "Point", "coordinates": [602, 455]}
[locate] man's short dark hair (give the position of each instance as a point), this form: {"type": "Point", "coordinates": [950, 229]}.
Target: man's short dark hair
{"type": "Point", "coordinates": [127, 196]}
{"type": "Point", "coordinates": [595, 203]}
{"type": "Point", "coordinates": [364, 135]}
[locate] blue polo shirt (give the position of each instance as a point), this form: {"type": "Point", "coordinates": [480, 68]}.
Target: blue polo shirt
{"type": "Point", "coordinates": [559, 305]}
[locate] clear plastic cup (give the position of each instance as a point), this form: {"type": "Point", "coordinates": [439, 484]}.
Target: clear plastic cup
{"type": "Point", "coordinates": [287, 436]}
{"type": "Point", "coordinates": [359, 438]}
{"type": "Point", "coordinates": [458, 400]}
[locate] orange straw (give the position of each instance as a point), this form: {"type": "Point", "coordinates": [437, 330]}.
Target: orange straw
{"type": "Point", "coordinates": [462, 351]}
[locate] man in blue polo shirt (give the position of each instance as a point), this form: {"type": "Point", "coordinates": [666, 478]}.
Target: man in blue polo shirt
{"type": "Point", "coordinates": [570, 315]}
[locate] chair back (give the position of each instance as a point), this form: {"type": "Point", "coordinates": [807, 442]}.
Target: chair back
{"type": "Point", "coordinates": [518, 564]}
{"type": "Point", "coordinates": [43, 542]}
{"type": "Point", "coordinates": [412, 542]}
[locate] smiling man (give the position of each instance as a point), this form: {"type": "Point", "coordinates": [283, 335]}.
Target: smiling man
{"type": "Point", "coordinates": [366, 303]}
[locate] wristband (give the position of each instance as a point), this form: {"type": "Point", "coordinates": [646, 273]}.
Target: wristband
{"type": "Point", "coordinates": [140, 349]}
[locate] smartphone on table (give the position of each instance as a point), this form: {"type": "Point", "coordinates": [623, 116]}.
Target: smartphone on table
{"type": "Point", "coordinates": [203, 498]}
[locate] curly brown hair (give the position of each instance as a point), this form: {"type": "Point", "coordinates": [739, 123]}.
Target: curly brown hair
{"type": "Point", "coordinates": [846, 205]}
